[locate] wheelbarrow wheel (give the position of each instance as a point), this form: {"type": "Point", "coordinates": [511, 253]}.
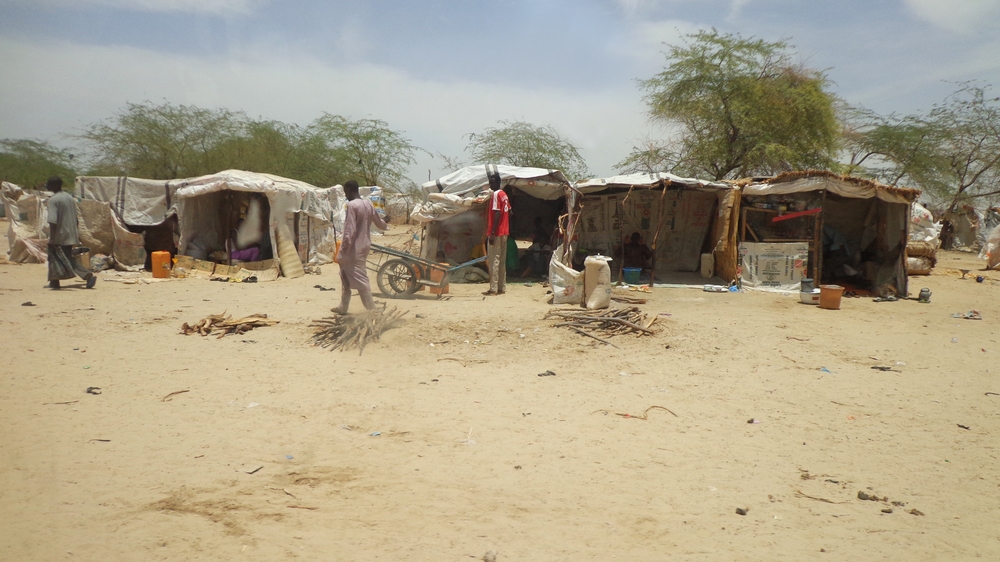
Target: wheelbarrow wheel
{"type": "Point", "coordinates": [397, 278]}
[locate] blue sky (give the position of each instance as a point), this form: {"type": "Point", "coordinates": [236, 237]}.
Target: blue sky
{"type": "Point", "coordinates": [440, 69]}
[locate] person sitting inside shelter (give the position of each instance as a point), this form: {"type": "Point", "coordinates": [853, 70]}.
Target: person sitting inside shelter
{"type": "Point", "coordinates": [636, 253]}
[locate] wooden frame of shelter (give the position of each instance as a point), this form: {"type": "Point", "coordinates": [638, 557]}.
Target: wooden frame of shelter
{"type": "Point", "coordinates": [720, 234]}
{"type": "Point", "coordinates": [869, 221]}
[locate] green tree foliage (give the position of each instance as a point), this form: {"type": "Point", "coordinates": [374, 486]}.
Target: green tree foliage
{"type": "Point", "coordinates": [952, 152]}
{"type": "Point", "coordinates": [649, 158]}
{"type": "Point", "coordinates": [163, 141]}
{"type": "Point", "coordinates": [177, 141]}
{"type": "Point", "coordinates": [894, 150]}
{"type": "Point", "coordinates": [743, 107]}
{"type": "Point", "coordinates": [517, 143]}
{"type": "Point", "coordinates": [29, 163]}
{"type": "Point", "coordinates": [366, 150]}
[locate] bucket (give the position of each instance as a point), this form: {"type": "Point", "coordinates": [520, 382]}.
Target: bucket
{"type": "Point", "coordinates": [632, 275]}
{"type": "Point", "coordinates": [829, 296]}
{"type": "Point", "coordinates": [437, 276]}
{"type": "Point", "coordinates": [807, 285]}
{"type": "Point", "coordinates": [161, 264]}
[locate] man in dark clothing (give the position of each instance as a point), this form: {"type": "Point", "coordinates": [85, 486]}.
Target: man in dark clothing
{"type": "Point", "coordinates": [637, 254]}
{"type": "Point", "coordinates": [63, 235]}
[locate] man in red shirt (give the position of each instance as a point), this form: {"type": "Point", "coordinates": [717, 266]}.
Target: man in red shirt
{"type": "Point", "coordinates": [497, 230]}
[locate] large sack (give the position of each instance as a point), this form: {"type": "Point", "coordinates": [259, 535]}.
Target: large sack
{"type": "Point", "coordinates": [919, 265]}
{"type": "Point", "coordinates": [991, 249]}
{"type": "Point", "coordinates": [566, 282]}
{"type": "Point", "coordinates": [597, 282]}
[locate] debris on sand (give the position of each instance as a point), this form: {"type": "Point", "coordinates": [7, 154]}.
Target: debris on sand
{"type": "Point", "coordinates": [221, 324]}
{"type": "Point", "coordinates": [346, 332]}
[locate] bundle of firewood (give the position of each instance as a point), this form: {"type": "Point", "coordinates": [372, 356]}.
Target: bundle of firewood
{"type": "Point", "coordinates": [607, 322]}
{"type": "Point", "coordinates": [346, 332]}
{"type": "Point", "coordinates": [222, 325]}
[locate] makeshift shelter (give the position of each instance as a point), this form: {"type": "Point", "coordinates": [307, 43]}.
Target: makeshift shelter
{"type": "Point", "coordinates": [680, 219]}
{"type": "Point", "coordinates": [454, 213]}
{"type": "Point", "coordinates": [962, 229]}
{"type": "Point", "coordinates": [834, 229]}
{"type": "Point", "coordinates": [28, 233]}
{"type": "Point", "coordinates": [301, 219]}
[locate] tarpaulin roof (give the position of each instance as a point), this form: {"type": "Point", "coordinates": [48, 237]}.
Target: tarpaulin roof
{"type": "Point", "coordinates": [144, 202]}
{"type": "Point", "coordinates": [647, 180]}
{"type": "Point", "coordinates": [844, 186]}
{"type": "Point", "coordinates": [469, 187]}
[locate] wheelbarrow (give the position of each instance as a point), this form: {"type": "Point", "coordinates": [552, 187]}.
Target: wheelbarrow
{"type": "Point", "coordinates": [400, 274]}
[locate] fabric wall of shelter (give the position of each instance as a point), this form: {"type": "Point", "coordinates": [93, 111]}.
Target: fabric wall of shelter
{"type": "Point", "coordinates": [892, 270]}
{"type": "Point", "coordinates": [456, 236]}
{"type": "Point", "coordinates": [136, 201]}
{"type": "Point", "coordinates": [27, 235]}
{"type": "Point", "coordinates": [201, 228]}
{"type": "Point", "coordinates": [96, 231]}
{"type": "Point", "coordinates": [966, 233]}
{"type": "Point", "coordinates": [606, 221]}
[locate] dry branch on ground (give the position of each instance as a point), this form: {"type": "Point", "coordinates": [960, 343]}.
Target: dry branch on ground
{"type": "Point", "coordinates": [346, 332]}
{"type": "Point", "coordinates": [221, 324]}
{"type": "Point", "coordinates": [606, 322]}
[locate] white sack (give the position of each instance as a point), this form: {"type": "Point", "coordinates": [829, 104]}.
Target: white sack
{"type": "Point", "coordinates": [991, 250]}
{"type": "Point", "coordinates": [597, 282]}
{"type": "Point", "coordinates": [566, 282]}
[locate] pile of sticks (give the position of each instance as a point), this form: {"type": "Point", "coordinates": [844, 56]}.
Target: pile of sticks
{"type": "Point", "coordinates": [607, 322]}
{"type": "Point", "coordinates": [222, 325]}
{"type": "Point", "coordinates": [346, 332]}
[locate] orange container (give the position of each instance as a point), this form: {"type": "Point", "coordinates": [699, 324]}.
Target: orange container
{"type": "Point", "coordinates": [829, 296]}
{"type": "Point", "coordinates": [161, 264]}
{"type": "Point", "coordinates": [437, 276]}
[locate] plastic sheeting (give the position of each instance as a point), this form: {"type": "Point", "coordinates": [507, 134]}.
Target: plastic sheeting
{"type": "Point", "coordinates": [835, 185]}
{"type": "Point", "coordinates": [647, 180]}
{"type": "Point", "coordinates": [469, 187]}
{"type": "Point", "coordinates": [143, 202]}
{"type": "Point", "coordinates": [922, 226]}
{"type": "Point", "coordinates": [991, 249]}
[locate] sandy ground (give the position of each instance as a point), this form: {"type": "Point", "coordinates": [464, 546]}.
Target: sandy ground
{"type": "Point", "coordinates": [415, 451]}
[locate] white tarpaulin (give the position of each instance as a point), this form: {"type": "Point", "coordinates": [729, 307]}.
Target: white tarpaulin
{"type": "Point", "coordinates": [922, 225]}
{"type": "Point", "coordinates": [854, 189]}
{"type": "Point", "coordinates": [28, 235]}
{"type": "Point", "coordinates": [647, 180]}
{"type": "Point", "coordinates": [316, 213]}
{"type": "Point", "coordinates": [287, 197]}
{"type": "Point", "coordinates": [469, 187]}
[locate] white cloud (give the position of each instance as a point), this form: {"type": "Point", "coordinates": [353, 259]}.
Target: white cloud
{"type": "Point", "coordinates": [293, 88]}
{"type": "Point", "coordinates": [959, 16]}
{"type": "Point", "coordinates": [220, 7]}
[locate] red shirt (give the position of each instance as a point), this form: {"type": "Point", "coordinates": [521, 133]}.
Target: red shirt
{"type": "Point", "coordinates": [498, 202]}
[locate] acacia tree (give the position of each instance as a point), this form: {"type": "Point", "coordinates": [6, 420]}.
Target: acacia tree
{"type": "Point", "coordinates": [968, 129]}
{"type": "Point", "coordinates": [366, 149]}
{"type": "Point", "coordinates": [952, 152]}
{"type": "Point", "coordinates": [649, 158]}
{"type": "Point", "coordinates": [163, 141]}
{"type": "Point", "coordinates": [895, 150]}
{"type": "Point", "coordinates": [517, 143]}
{"type": "Point", "coordinates": [743, 107]}
{"type": "Point", "coordinates": [29, 163]}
